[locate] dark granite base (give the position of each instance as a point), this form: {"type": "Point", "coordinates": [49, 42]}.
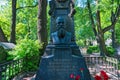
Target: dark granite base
{"type": "Point", "coordinates": [61, 63]}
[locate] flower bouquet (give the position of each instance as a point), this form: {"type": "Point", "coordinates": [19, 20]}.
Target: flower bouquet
{"type": "Point", "coordinates": [104, 75]}
{"type": "Point", "coordinates": [72, 76]}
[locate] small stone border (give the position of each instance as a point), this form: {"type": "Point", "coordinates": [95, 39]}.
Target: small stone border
{"type": "Point", "coordinates": [25, 76]}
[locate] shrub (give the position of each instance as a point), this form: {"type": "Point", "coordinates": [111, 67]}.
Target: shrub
{"type": "Point", "coordinates": [80, 43]}
{"type": "Point", "coordinates": [3, 54]}
{"type": "Point", "coordinates": [89, 51]}
{"type": "Point", "coordinates": [92, 49]}
{"type": "Point", "coordinates": [119, 66]}
{"type": "Point", "coordinates": [110, 50]}
{"type": "Point", "coordinates": [28, 50]}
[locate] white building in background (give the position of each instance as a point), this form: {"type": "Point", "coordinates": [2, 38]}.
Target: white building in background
{"type": "Point", "coordinates": [94, 42]}
{"type": "Point", "coordinates": [108, 42]}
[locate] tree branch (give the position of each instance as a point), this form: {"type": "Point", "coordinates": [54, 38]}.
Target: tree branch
{"type": "Point", "coordinates": [91, 17]}
{"type": "Point", "coordinates": [90, 13]}
{"type": "Point", "coordinates": [115, 19]}
{"type": "Point", "coordinates": [27, 6]}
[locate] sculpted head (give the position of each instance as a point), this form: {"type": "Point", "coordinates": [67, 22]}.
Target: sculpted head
{"type": "Point", "coordinates": [60, 22]}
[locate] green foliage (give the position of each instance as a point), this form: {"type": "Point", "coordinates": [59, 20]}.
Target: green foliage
{"type": "Point", "coordinates": [119, 66]}
{"type": "Point", "coordinates": [5, 19]}
{"type": "Point", "coordinates": [28, 50]}
{"type": "Point", "coordinates": [92, 49]}
{"type": "Point", "coordinates": [83, 28]}
{"type": "Point", "coordinates": [80, 43]}
{"type": "Point", "coordinates": [4, 24]}
{"type": "Point", "coordinates": [117, 30]}
{"type": "Point", "coordinates": [12, 70]}
{"type": "Point", "coordinates": [26, 23]}
{"type": "Point", "coordinates": [3, 54]}
{"type": "Point", "coordinates": [26, 19]}
{"type": "Point", "coordinates": [89, 51]}
{"type": "Point", "coordinates": [48, 23]}
{"type": "Point", "coordinates": [107, 35]}
{"type": "Point", "coordinates": [110, 50]}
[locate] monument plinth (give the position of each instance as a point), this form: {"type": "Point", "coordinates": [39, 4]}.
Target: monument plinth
{"type": "Point", "coordinates": [62, 57]}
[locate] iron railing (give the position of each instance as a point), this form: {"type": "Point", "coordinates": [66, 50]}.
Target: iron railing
{"type": "Point", "coordinates": [97, 63]}
{"type": "Point", "coordinates": [9, 69]}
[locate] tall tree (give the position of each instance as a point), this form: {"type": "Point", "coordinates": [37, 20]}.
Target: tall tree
{"type": "Point", "coordinates": [13, 24]}
{"type": "Point", "coordinates": [113, 20]}
{"type": "Point", "coordinates": [26, 5]}
{"type": "Point", "coordinates": [42, 21]}
{"type": "Point", "coordinates": [26, 19]}
{"type": "Point", "coordinates": [97, 28]}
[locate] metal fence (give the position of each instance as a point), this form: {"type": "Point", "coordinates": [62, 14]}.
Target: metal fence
{"type": "Point", "coordinates": [108, 64]}
{"type": "Point", "coordinates": [9, 69]}
{"type": "Point", "coordinates": [95, 64]}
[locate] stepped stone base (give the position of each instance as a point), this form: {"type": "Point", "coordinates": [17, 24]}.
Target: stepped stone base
{"type": "Point", "coordinates": [60, 61]}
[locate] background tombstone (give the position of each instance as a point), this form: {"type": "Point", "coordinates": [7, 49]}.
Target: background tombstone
{"type": "Point", "coordinates": [4, 48]}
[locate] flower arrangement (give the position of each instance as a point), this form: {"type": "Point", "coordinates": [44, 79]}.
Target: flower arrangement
{"type": "Point", "coordinates": [72, 76]}
{"type": "Point", "coordinates": [103, 76]}
{"type": "Point", "coordinates": [77, 77]}
{"type": "Point", "coordinates": [97, 77]}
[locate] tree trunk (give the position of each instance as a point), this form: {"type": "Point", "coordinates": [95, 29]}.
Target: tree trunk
{"type": "Point", "coordinates": [2, 36]}
{"type": "Point", "coordinates": [98, 33]}
{"type": "Point", "coordinates": [13, 24]}
{"type": "Point", "coordinates": [42, 21]}
{"type": "Point", "coordinates": [102, 46]}
{"type": "Point", "coordinates": [113, 38]}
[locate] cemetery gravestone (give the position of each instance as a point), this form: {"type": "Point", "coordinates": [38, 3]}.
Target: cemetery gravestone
{"type": "Point", "coordinates": [62, 57]}
{"type": "Point", "coordinates": [4, 48]}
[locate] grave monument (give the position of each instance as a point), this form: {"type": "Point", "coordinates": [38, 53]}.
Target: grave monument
{"type": "Point", "coordinates": [62, 59]}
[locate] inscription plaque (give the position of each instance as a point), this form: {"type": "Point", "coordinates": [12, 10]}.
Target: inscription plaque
{"type": "Point", "coordinates": [62, 65]}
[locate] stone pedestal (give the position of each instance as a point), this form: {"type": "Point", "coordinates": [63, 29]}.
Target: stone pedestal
{"type": "Point", "coordinates": [60, 61]}
{"type": "Point", "coordinates": [62, 56]}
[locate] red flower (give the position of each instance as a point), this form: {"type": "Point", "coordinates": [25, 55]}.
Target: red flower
{"type": "Point", "coordinates": [98, 77]}
{"type": "Point", "coordinates": [77, 77]}
{"type": "Point", "coordinates": [104, 75]}
{"type": "Point", "coordinates": [71, 75]}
